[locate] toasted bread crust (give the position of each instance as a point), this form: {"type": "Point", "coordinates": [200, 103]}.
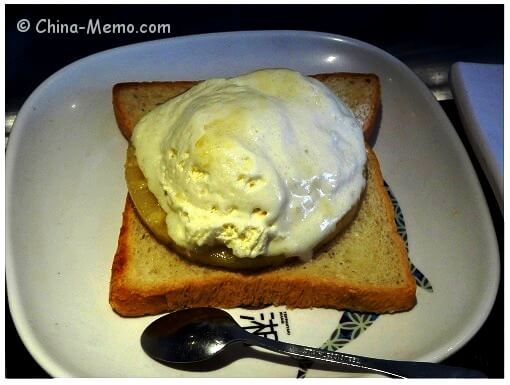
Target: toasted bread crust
{"type": "Point", "coordinates": [128, 301]}
{"type": "Point", "coordinates": [146, 96]}
{"type": "Point", "coordinates": [226, 289]}
{"type": "Point", "coordinates": [373, 89]}
{"type": "Point", "coordinates": [132, 100]}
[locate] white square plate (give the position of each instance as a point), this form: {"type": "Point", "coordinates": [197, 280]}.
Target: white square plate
{"type": "Point", "coordinates": [65, 193]}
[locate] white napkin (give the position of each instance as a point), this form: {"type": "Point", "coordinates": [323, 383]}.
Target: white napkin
{"type": "Point", "coordinates": [478, 93]}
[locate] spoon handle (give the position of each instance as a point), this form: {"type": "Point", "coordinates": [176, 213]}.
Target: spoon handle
{"type": "Point", "coordinates": [399, 369]}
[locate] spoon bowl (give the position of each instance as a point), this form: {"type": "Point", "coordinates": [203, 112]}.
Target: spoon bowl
{"type": "Point", "coordinates": [198, 335]}
{"type": "Point", "coordinates": [190, 336]}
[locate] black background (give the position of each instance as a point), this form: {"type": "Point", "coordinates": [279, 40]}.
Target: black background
{"type": "Point", "coordinates": [430, 37]}
{"type": "Point", "coordinates": [417, 35]}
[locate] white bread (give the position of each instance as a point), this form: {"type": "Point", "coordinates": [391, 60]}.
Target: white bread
{"type": "Point", "coordinates": [364, 269]}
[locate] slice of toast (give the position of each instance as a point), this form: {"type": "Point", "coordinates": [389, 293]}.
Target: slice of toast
{"type": "Point", "coordinates": [364, 269]}
{"type": "Point", "coordinates": [361, 93]}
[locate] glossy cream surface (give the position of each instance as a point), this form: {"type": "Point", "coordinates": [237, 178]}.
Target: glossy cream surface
{"type": "Point", "coordinates": [265, 163]}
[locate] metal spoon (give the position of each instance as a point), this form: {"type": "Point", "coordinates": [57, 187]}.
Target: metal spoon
{"type": "Point", "coordinates": [199, 334]}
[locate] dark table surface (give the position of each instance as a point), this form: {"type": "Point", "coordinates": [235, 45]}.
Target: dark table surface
{"type": "Point", "coordinates": [426, 38]}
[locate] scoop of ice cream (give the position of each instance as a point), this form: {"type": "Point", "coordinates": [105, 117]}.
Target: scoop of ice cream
{"type": "Point", "coordinates": [265, 163]}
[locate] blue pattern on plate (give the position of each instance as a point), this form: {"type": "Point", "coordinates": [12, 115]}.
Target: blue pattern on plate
{"type": "Point", "coordinates": [419, 277]}
{"type": "Point", "coordinates": [352, 324]}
